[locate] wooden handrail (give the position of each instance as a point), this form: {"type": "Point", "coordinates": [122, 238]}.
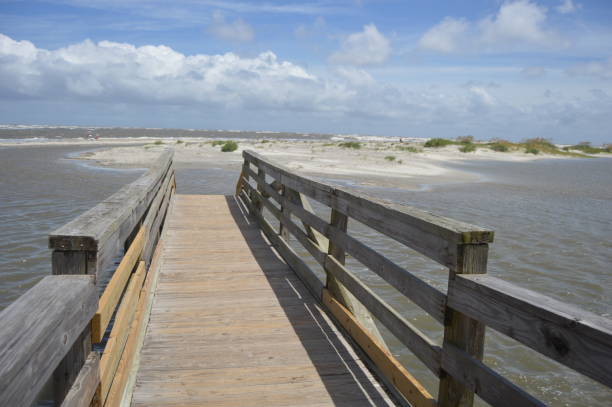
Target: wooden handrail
{"type": "Point", "coordinates": [38, 330]}
{"type": "Point", "coordinates": [580, 340]}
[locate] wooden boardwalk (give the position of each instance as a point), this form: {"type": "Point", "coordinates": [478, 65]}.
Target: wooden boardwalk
{"type": "Point", "coordinates": [231, 324]}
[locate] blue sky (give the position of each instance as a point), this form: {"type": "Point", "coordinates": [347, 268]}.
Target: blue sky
{"type": "Point", "coordinates": [510, 69]}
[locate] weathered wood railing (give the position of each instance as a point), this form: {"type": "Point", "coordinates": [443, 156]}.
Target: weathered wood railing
{"type": "Point", "coordinates": [578, 339]}
{"type": "Point", "coordinates": [50, 329]}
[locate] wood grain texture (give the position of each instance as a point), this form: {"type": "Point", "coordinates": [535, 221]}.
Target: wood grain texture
{"type": "Point", "coordinates": [231, 325]}
{"type": "Point", "coordinates": [433, 235]}
{"type": "Point", "coordinates": [84, 387]}
{"type": "Point", "coordinates": [461, 331]}
{"type": "Point", "coordinates": [427, 297]}
{"type": "Point", "coordinates": [576, 338]}
{"type": "Point", "coordinates": [417, 342]}
{"type": "Point", "coordinates": [38, 329]}
{"type": "Point", "coordinates": [119, 334]}
{"type": "Point", "coordinates": [112, 293]}
{"type": "Point", "coordinates": [484, 381]}
{"type": "Point", "coordinates": [407, 385]}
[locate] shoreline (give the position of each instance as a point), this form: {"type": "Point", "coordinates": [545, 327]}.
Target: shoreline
{"type": "Point", "coordinates": [374, 163]}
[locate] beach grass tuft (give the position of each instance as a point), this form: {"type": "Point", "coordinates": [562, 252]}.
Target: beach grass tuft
{"type": "Point", "coordinates": [438, 142]}
{"type": "Point", "coordinates": [390, 158]}
{"type": "Point", "coordinates": [229, 146]}
{"type": "Point", "coordinates": [468, 148]}
{"type": "Point", "coordinates": [350, 144]}
{"type": "Point", "coordinates": [158, 142]}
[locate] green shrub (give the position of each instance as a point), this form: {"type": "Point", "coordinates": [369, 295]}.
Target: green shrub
{"type": "Point", "coordinates": [158, 142]}
{"type": "Point", "coordinates": [218, 143]}
{"type": "Point", "coordinates": [229, 146]}
{"type": "Point", "coordinates": [438, 142]}
{"type": "Point", "coordinates": [468, 148]}
{"type": "Point", "coordinates": [264, 141]}
{"type": "Point", "coordinates": [532, 150]}
{"type": "Point", "coordinates": [499, 147]}
{"type": "Point", "coordinates": [586, 148]}
{"type": "Point", "coordinates": [607, 148]}
{"type": "Point", "coordinates": [350, 144]}
{"type": "Point", "coordinates": [179, 141]}
{"type": "Point", "coordinates": [390, 158]}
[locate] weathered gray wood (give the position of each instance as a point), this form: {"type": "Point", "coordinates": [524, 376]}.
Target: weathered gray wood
{"type": "Point", "coordinates": [82, 391]}
{"type": "Point", "coordinates": [311, 281]}
{"type": "Point", "coordinates": [282, 229]}
{"type": "Point", "coordinates": [425, 349]}
{"type": "Point", "coordinates": [460, 330]}
{"type": "Point", "coordinates": [156, 215]}
{"type": "Point", "coordinates": [427, 297]}
{"type": "Point", "coordinates": [90, 230]}
{"type": "Point", "coordinates": [38, 329]}
{"type": "Point", "coordinates": [485, 382]}
{"type": "Point", "coordinates": [576, 338]}
{"type": "Point", "coordinates": [435, 236]}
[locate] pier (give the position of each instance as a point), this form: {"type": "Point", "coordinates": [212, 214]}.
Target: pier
{"type": "Point", "coordinates": [163, 299]}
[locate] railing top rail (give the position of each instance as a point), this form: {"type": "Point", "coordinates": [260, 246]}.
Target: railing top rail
{"type": "Point", "coordinates": [397, 221]}
{"type": "Point", "coordinates": [92, 228]}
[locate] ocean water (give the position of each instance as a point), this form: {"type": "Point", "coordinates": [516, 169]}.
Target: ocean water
{"type": "Point", "coordinates": [552, 218]}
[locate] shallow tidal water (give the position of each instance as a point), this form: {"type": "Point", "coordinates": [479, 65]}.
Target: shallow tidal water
{"type": "Point", "coordinates": [552, 218]}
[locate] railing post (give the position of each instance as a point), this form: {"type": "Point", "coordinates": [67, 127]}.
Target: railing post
{"type": "Point", "coordinates": [461, 331]}
{"type": "Point", "coordinates": [338, 291]}
{"type": "Point", "coordinates": [282, 230]}
{"type": "Point", "coordinates": [261, 175]}
{"type": "Point", "coordinates": [72, 262]}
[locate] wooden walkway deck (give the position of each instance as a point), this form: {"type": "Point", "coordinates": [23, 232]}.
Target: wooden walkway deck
{"type": "Point", "coordinates": [231, 324]}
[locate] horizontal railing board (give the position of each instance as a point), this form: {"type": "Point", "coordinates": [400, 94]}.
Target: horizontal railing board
{"type": "Point", "coordinates": [422, 347]}
{"type": "Point", "coordinates": [434, 236]}
{"type": "Point", "coordinates": [86, 383]}
{"type": "Point", "coordinates": [576, 338]}
{"type": "Point", "coordinates": [157, 214]}
{"type": "Point", "coordinates": [424, 295]}
{"type": "Point", "coordinates": [90, 230]}
{"type": "Point", "coordinates": [484, 381]}
{"type": "Point", "coordinates": [38, 329]}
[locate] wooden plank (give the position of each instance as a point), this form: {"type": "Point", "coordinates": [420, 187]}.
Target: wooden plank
{"type": "Point", "coordinates": [155, 210]}
{"type": "Point", "coordinates": [114, 289]}
{"type": "Point", "coordinates": [90, 230]}
{"type": "Point", "coordinates": [84, 388]}
{"type": "Point", "coordinates": [298, 265]}
{"type": "Point", "coordinates": [460, 330]}
{"type": "Point", "coordinates": [427, 297]}
{"type": "Point", "coordinates": [38, 329]}
{"type": "Point", "coordinates": [121, 376]}
{"type": "Point", "coordinates": [157, 223]}
{"type": "Point", "coordinates": [407, 385]}
{"type": "Point", "coordinates": [432, 235]}
{"type": "Point", "coordinates": [422, 347]}
{"type": "Point", "coordinates": [482, 380]}
{"type": "Point", "coordinates": [571, 336]}
{"type": "Point", "coordinates": [118, 336]}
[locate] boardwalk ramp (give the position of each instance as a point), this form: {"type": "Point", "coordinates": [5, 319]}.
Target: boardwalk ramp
{"type": "Point", "coordinates": [232, 325]}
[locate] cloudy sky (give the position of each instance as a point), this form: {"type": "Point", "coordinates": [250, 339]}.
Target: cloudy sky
{"type": "Point", "coordinates": [511, 69]}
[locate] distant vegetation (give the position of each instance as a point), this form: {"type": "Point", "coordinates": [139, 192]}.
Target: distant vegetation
{"type": "Point", "coordinates": [410, 149]}
{"type": "Point", "coordinates": [216, 143]}
{"type": "Point", "coordinates": [390, 158]}
{"type": "Point", "coordinates": [468, 148]}
{"type": "Point", "coordinates": [229, 146]}
{"type": "Point", "coordinates": [587, 148]}
{"type": "Point", "coordinates": [158, 142]}
{"type": "Point", "coordinates": [179, 141]}
{"type": "Point", "coordinates": [351, 144]}
{"type": "Point", "coordinates": [501, 146]}
{"type": "Point", "coordinates": [438, 142]}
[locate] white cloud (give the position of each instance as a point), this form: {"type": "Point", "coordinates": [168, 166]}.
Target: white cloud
{"type": "Point", "coordinates": [519, 24]}
{"type": "Point", "coordinates": [445, 36]}
{"type": "Point", "coordinates": [90, 79]}
{"type": "Point", "coordinates": [520, 21]}
{"type": "Point", "coordinates": [236, 30]}
{"type": "Point", "coordinates": [596, 69]}
{"type": "Point", "coordinates": [368, 47]}
{"type": "Point", "coordinates": [567, 7]}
